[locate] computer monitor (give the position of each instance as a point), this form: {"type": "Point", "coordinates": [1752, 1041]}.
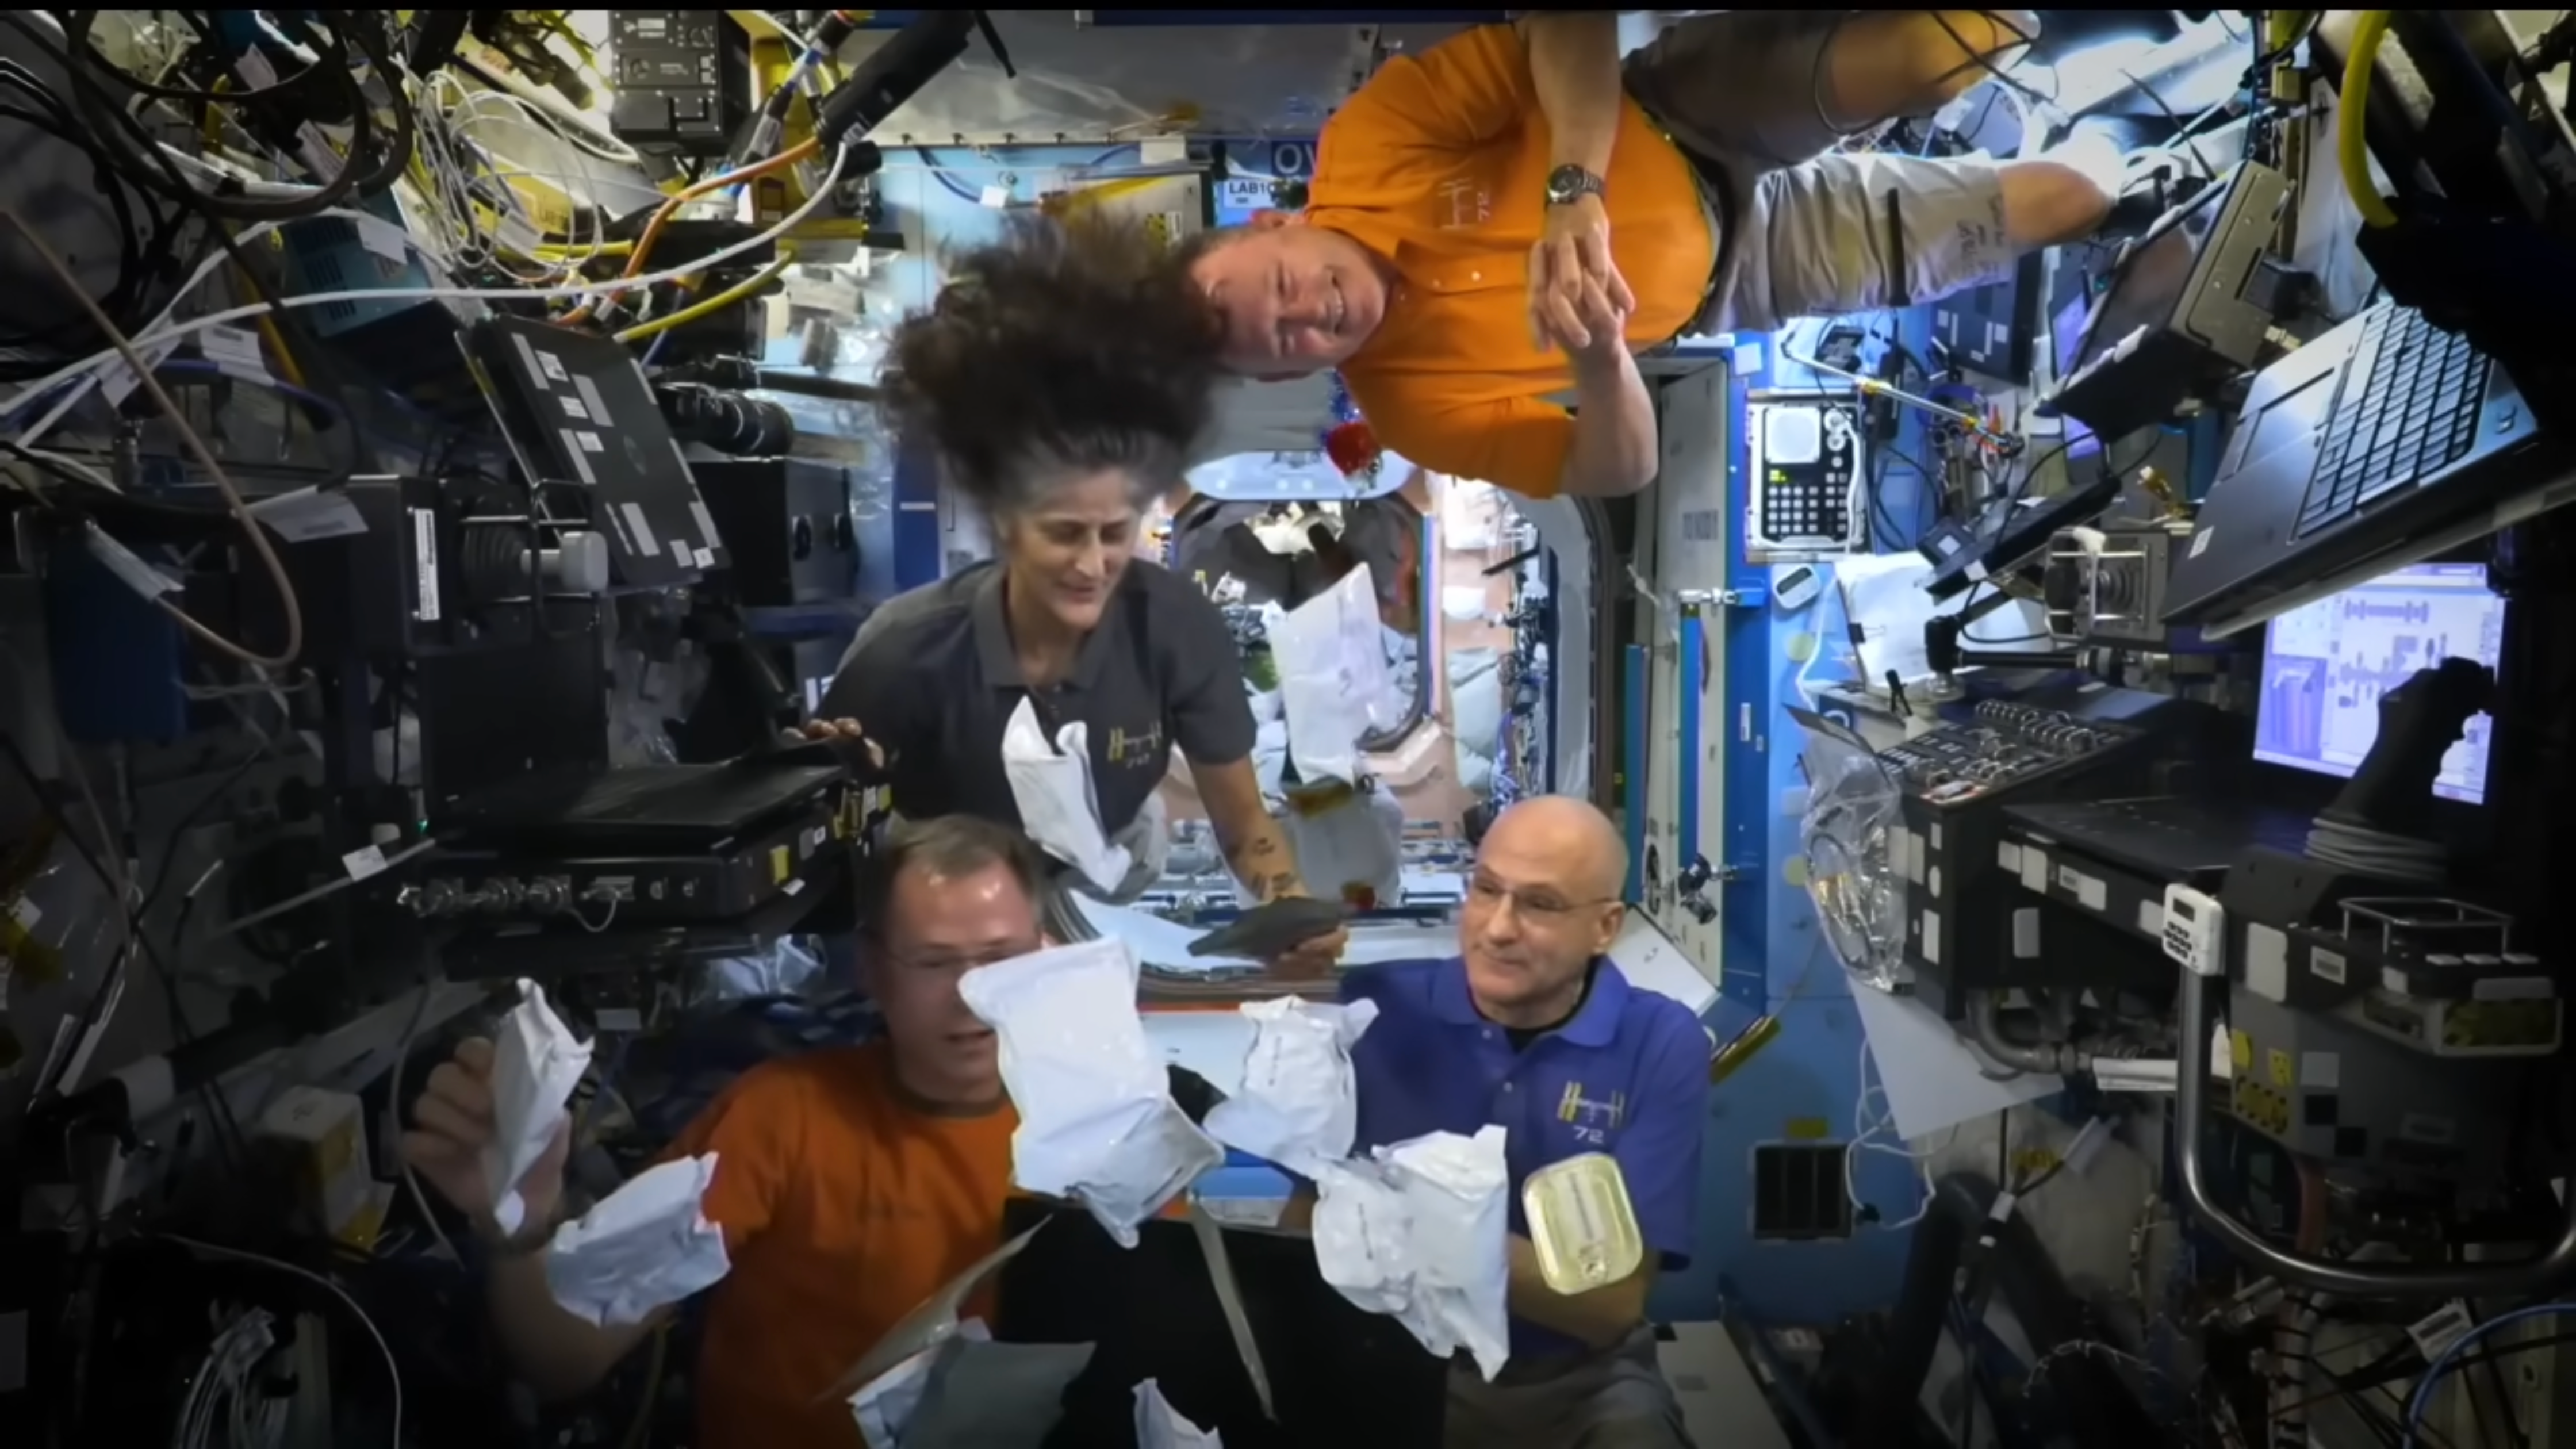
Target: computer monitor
{"type": "Point", "coordinates": [2066, 338]}
{"type": "Point", "coordinates": [2176, 314]}
{"type": "Point", "coordinates": [2326, 664]}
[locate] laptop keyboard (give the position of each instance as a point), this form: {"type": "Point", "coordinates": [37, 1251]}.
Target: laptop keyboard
{"type": "Point", "coordinates": [2409, 409]}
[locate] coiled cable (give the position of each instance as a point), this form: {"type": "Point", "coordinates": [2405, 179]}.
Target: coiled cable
{"type": "Point", "coordinates": [2396, 859]}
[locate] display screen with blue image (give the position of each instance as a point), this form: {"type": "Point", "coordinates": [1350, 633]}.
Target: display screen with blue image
{"type": "Point", "coordinates": [2066, 335]}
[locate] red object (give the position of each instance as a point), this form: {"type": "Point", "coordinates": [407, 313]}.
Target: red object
{"type": "Point", "coordinates": [1352, 447]}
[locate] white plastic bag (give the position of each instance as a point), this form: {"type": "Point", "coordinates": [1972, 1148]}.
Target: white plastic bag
{"type": "Point", "coordinates": [1097, 1121]}
{"type": "Point", "coordinates": [536, 1064]}
{"type": "Point", "coordinates": [1160, 1426]}
{"type": "Point", "coordinates": [1331, 656]}
{"type": "Point", "coordinates": [1416, 1232]}
{"type": "Point", "coordinates": [1051, 783]}
{"type": "Point", "coordinates": [1298, 1106]}
{"type": "Point", "coordinates": [1349, 844]}
{"type": "Point", "coordinates": [647, 1246]}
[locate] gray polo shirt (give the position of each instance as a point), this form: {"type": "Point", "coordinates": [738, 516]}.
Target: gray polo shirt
{"type": "Point", "coordinates": [934, 679]}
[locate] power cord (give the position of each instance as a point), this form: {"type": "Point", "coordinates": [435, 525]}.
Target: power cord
{"type": "Point", "coordinates": [393, 1370]}
{"type": "Point", "coordinates": [2397, 859]}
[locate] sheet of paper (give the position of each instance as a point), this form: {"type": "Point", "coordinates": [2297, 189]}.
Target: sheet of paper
{"type": "Point", "coordinates": [1933, 1081]}
{"type": "Point", "coordinates": [1883, 594]}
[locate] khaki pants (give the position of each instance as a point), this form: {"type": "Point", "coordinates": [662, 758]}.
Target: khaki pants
{"type": "Point", "coordinates": [1805, 231]}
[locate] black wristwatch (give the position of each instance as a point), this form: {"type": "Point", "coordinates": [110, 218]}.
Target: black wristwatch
{"type": "Point", "coordinates": [1569, 184]}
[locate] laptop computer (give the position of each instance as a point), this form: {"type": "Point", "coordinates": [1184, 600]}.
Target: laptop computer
{"type": "Point", "coordinates": [641, 808]}
{"type": "Point", "coordinates": [2384, 442]}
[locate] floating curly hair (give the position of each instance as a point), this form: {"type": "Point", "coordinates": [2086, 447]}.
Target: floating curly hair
{"type": "Point", "coordinates": [1066, 349]}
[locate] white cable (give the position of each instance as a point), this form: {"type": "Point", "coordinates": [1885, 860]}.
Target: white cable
{"type": "Point", "coordinates": [327, 888]}
{"type": "Point", "coordinates": [164, 330]}
{"type": "Point", "coordinates": [393, 1370]}
{"type": "Point", "coordinates": [1865, 1132]}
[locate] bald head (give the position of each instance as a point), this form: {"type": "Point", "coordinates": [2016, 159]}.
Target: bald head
{"type": "Point", "coordinates": [1582, 848]}
{"type": "Point", "coordinates": [1542, 905]}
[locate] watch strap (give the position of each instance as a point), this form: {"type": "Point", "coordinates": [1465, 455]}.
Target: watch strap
{"type": "Point", "coordinates": [1567, 184]}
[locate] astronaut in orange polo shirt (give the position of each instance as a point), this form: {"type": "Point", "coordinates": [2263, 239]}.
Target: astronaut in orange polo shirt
{"type": "Point", "coordinates": [1517, 211]}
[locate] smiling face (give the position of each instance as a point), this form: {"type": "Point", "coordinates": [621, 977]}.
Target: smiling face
{"type": "Point", "coordinates": [1066, 550]}
{"type": "Point", "coordinates": [1296, 299]}
{"type": "Point", "coordinates": [937, 928]}
{"type": "Point", "coordinates": [1541, 904]}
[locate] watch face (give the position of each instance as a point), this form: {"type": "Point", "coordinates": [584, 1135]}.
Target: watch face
{"type": "Point", "coordinates": [1568, 182]}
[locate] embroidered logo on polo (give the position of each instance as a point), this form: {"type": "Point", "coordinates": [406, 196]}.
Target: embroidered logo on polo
{"type": "Point", "coordinates": [1592, 1118]}
{"type": "Point", "coordinates": [1463, 202]}
{"type": "Point", "coordinates": [1135, 749]}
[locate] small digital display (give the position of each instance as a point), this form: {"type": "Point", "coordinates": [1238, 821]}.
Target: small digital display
{"type": "Point", "coordinates": [2326, 665]}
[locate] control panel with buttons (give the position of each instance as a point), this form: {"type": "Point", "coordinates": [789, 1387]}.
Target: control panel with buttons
{"type": "Point", "coordinates": [1808, 474]}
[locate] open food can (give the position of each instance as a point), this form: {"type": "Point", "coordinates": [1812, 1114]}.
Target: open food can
{"type": "Point", "coordinates": [1582, 1224]}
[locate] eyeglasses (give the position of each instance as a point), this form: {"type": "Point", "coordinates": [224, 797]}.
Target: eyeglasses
{"type": "Point", "coordinates": [957, 965]}
{"type": "Point", "coordinates": [1536, 903]}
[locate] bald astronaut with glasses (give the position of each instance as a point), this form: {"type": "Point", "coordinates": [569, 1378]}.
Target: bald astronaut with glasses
{"type": "Point", "coordinates": [1532, 1027]}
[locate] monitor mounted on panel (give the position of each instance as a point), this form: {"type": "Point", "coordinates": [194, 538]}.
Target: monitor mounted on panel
{"type": "Point", "coordinates": [2326, 664]}
{"type": "Point", "coordinates": [2182, 309]}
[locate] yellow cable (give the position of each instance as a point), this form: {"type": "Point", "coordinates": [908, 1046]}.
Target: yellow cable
{"type": "Point", "coordinates": [729, 296]}
{"type": "Point", "coordinates": [585, 253]}
{"type": "Point", "coordinates": [2352, 148]}
{"type": "Point", "coordinates": [286, 367]}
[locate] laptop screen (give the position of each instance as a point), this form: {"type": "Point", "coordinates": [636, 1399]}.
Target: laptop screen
{"type": "Point", "coordinates": [2151, 279]}
{"type": "Point", "coordinates": [2326, 664]}
{"type": "Point", "coordinates": [2066, 334]}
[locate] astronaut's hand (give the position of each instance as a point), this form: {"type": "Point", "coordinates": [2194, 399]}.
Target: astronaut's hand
{"type": "Point", "coordinates": [1313, 959]}
{"type": "Point", "coordinates": [853, 742]}
{"type": "Point", "coordinates": [451, 1128]}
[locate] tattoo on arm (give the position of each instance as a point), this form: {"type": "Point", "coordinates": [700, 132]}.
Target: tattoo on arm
{"type": "Point", "coordinates": [1284, 884]}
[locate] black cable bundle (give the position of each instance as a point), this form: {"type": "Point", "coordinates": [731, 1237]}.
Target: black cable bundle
{"type": "Point", "coordinates": [147, 236]}
{"type": "Point", "coordinates": [2100, 1411]}
{"type": "Point", "coordinates": [143, 161]}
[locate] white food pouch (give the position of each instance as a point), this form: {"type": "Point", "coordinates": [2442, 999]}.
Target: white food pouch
{"type": "Point", "coordinates": [1050, 781]}
{"type": "Point", "coordinates": [1298, 1106]}
{"type": "Point", "coordinates": [1333, 684]}
{"type": "Point", "coordinates": [1349, 841]}
{"type": "Point", "coordinates": [646, 1246]}
{"type": "Point", "coordinates": [1459, 1192]}
{"type": "Point", "coordinates": [1160, 1426]}
{"type": "Point", "coordinates": [536, 1064]}
{"type": "Point", "coordinates": [1098, 1124]}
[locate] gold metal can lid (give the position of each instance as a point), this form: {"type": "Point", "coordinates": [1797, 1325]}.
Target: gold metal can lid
{"type": "Point", "coordinates": [1582, 1224]}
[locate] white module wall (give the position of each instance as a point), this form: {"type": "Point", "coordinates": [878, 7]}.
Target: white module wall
{"type": "Point", "coordinates": [1681, 556]}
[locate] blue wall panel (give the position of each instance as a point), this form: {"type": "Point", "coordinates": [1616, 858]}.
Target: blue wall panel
{"type": "Point", "coordinates": [1807, 1081]}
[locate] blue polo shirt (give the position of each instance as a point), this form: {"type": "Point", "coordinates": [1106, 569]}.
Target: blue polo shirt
{"type": "Point", "coordinates": [1627, 1076]}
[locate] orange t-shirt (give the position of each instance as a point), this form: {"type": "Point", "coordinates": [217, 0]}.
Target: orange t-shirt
{"type": "Point", "coordinates": [843, 1210]}
{"type": "Point", "coordinates": [1439, 164]}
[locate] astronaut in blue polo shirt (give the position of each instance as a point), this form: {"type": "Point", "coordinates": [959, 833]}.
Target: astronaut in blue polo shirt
{"type": "Point", "coordinates": [1531, 1027]}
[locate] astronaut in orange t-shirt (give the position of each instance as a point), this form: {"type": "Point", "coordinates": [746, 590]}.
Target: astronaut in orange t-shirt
{"type": "Point", "coordinates": [1499, 223]}
{"type": "Point", "coordinates": [852, 1184]}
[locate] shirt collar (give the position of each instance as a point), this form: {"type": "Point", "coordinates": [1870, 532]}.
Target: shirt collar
{"type": "Point", "coordinates": [1002, 660]}
{"type": "Point", "coordinates": [1595, 1023]}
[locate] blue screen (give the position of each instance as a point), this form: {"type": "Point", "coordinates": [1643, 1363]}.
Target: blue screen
{"type": "Point", "coordinates": [2326, 664]}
